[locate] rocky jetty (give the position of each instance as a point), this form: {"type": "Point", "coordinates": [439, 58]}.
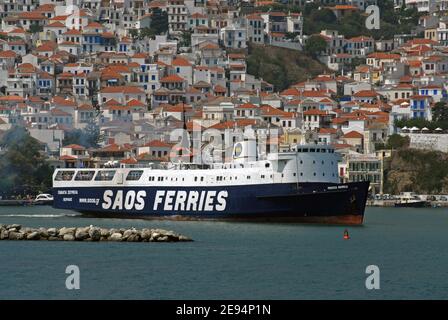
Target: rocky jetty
{"type": "Point", "coordinates": [90, 233]}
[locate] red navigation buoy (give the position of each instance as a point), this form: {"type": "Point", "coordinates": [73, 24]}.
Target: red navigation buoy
{"type": "Point", "coordinates": [346, 235]}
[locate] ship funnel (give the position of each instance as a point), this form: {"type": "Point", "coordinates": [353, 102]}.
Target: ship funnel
{"type": "Point", "coordinates": [245, 151]}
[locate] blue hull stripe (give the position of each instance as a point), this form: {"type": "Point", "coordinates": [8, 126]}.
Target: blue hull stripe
{"type": "Point", "coordinates": [264, 200]}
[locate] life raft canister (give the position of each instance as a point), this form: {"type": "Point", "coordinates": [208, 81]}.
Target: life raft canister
{"type": "Point", "coordinates": [346, 235]}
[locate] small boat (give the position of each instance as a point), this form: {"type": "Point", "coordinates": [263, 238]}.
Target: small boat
{"type": "Point", "coordinates": [44, 199]}
{"type": "Point", "coordinates": [410, 201]}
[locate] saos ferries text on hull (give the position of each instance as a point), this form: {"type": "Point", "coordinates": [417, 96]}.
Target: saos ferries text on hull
{"type": "Point", "coordinates": [300, 185]}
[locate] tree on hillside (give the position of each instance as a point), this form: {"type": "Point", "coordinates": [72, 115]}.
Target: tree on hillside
{"type": "Point", "coordinates": [387, 11]}
{"type": "Point", "coordinates": [317, 19]}
{"type": "Point", "coordinates": [133, 33]}
{"type": "Point", "coordinates": [35, 28]}
{"type": "Point", "coordinates": [356, 61]}
{"type": "Point", "coordinates": [146, 32]}
{"type": "Point", "coordinates": [159, 21]}
{"type": "Point", "coordinates": [186, 39]}
{"type": "Point", "coordinates": [22, 166]}
{"type": "Point", "coordinates": [89, 137]}
{"type": "Point", "coordinates": [395, 141]}
{"type": "Point", "coordinates": [315, 45]}
{"type": "Point", "coordinates": [440, 111]}
{"type": "Point", "coordinates": [392, 22]}
{"type": "Point", "coordinates": [281, 67]}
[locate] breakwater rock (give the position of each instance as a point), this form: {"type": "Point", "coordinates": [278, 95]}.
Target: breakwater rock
{"type": "Point", "coordinates": [90, 233]}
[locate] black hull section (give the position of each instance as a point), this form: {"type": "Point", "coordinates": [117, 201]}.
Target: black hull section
{"type": "Point", "coordinates": [305, 202]}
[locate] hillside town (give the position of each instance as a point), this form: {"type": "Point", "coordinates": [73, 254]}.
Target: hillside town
{"type": "Point", "coordinates": [130, 72]}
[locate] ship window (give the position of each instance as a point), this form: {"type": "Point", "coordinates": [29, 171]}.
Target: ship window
{"type": "Point", "coordinates": [267, 165]}
{"type": "Point", "coordinates": [317, 150]}
{"type": "Point", "coordinates": [305, 150]}
{"type": "Point", "coordinates": [105, 175]}
{"type": "Point", "coordinates": [312, 150]}
{"type": "Point", "coordinates": [262, 176]}
{"type": "Point", "coordinates": [84, 175]}
{"type": "Point", "coordinates": [195, 178]}
{"type": "Point", "coordinates": [324, 150]}
{"type": "Point", "coordinates": [202, 178]}
{"type": "Point", "coordinates": [301, 161]}
{"type": "Point", "coordinates": [314, 174]}
{"type": "Point", "coordinates": [160, 179]}
{"type": "Point", "coordinates": [134, 175]}
{"type": "Point", "coordinates": [248, 177]}
{"type": "Point", "coordinates": [301, 174]}
{"type": "Point", "coordinates": [323, 161]}
{"type": "Point", "coordinates": [314, 161]}
{"type": "Point", "coordinates": [323, 174]}
{"type": "Point", "coordinates": [294, 174]}
{"type": "Point", "coordinates": [64, 175]}
{"type": "Point", "coordinates": [299, 150]}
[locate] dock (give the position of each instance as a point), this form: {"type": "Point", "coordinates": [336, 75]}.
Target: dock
{"type": "Point", "coordinates": [391, 203]}
{"type": "Point", "coordinates": [24, 202]}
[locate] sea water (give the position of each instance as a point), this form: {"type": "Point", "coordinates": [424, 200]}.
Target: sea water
{"type": "Point", "coordinates": [230, 260]}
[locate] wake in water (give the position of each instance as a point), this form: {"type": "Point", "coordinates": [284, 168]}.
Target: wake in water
{"type": "Point", "coordinates": [40, 215]}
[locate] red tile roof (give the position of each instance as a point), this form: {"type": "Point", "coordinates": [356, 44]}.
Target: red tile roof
{"type": "Point", "coordinates": [181, 62]}
{"type": "Point", "coordinates": [315, 112]}
{"type": "Point", "coordinates": [384, 56]}
{"type": "Point", "coordinates": [122, 89]}
{"type": "Point", "coordinates": [158, 144]}
{"type": "Point", "coordinates": [172, 78]}
{"type": "Point", "coordinates": [75, 147]}
{"type": "Point", "coordinates": [32, 15]}
{"type": "Point", "coordinates": [8, 54]}
{"type": "Point", "coordinates": [365, 94]}
{"type": "Point", "coordinates": [353, 135]}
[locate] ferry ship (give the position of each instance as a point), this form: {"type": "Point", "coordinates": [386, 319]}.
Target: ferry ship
{"type": "Point", "coordinates": [300, 185]}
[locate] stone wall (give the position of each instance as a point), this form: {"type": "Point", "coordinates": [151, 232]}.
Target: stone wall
{"type": "Point", "coordinates": [428, 141]}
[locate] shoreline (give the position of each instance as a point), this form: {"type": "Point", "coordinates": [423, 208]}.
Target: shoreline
{"type": "Point", "coordinates": [391, 203]}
